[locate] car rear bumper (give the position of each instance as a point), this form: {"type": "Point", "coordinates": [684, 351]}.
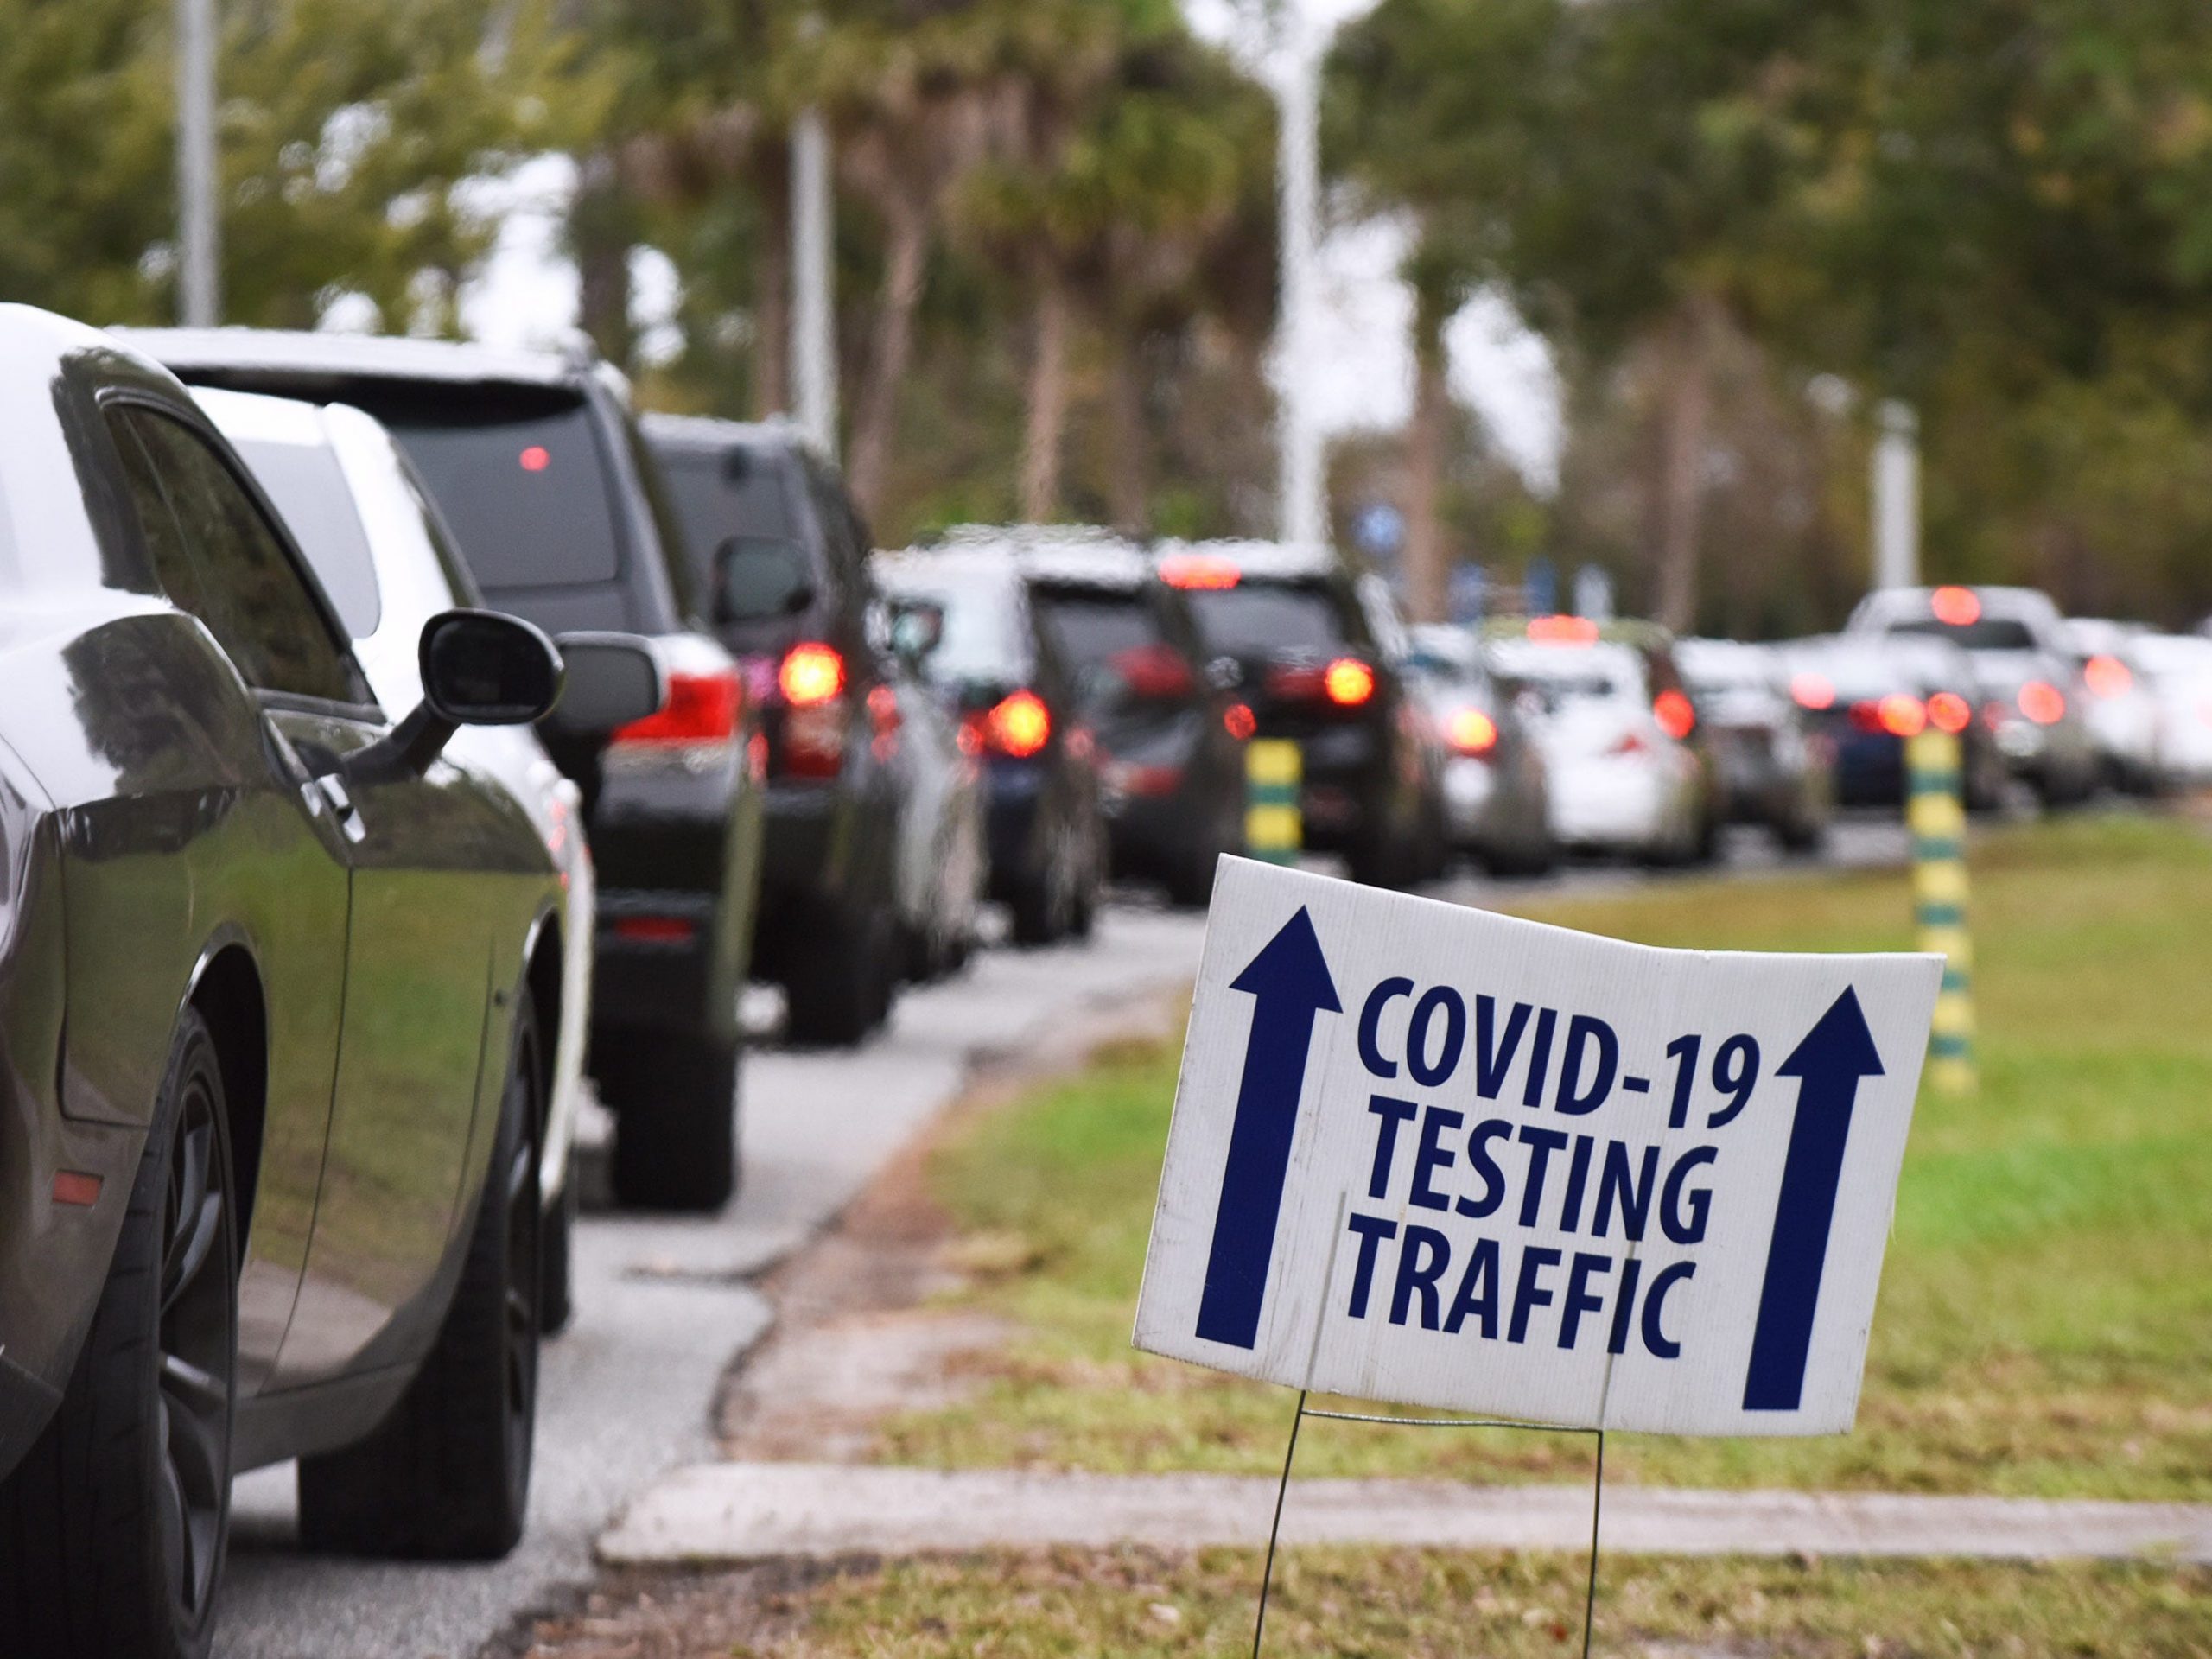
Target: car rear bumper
{"type": "Point", "coordinates": [1605, 806]}
{"type": "Point", "coordinates": [1471, 795]}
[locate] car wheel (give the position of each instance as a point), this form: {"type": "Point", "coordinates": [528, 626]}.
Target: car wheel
{"type": "Point", "coordinates": [556, 1262]}
{"type": "Point", "coordinates": [833, 986]}
{"type": "Point", "coordinates": [674, 1097]}
{"type": "Point", "coordinates": [112, 1527]}
{"type": "Point", "coordinates": [1036, 912]}
{"type": "Point", "coordinates": [446, 1476]}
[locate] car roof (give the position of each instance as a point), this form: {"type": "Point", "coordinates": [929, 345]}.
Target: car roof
{"type": "Point", "coordinates": [379, 356]}
{"type": "Point", "coordinates": [915, 567]}
{"type": "Point", "coordinates": [714, 433]}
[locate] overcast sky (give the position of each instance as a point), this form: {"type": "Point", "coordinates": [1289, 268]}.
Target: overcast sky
{"type": "Point", "coordinates": [1360, 376]}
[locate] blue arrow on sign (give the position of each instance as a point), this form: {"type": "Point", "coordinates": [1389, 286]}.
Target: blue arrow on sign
{"type": "Point", "coordinates": [1836, 1053]}
{"type": "Point", "coordinates": [1289, 984]}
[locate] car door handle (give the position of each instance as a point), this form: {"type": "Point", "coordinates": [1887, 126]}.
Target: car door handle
{"type": "Point", "coordinates": [330, 790]}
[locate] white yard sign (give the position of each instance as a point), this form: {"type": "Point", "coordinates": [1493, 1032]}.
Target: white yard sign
{"type": "Point", "coordinates": [1429, 1155]}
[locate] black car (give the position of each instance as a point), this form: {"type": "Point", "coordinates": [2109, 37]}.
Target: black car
{"type": "Point", "coordinates": [536, 466]}
{"type": "Point", "coordinates": [1171, 741]}
{"type": "Point", "coordinates": [1020, 711]}
{"type": "Point", "coordinates": [277, 985]}
{"type": "Point", "coordinates": [1773, 772]}
{"type": "Point", "coordinates": [782, 556]}
{"type": "Point", "coordinates": [1865, 694]}
{"type": "Point", "coordinates": [1307, 644]}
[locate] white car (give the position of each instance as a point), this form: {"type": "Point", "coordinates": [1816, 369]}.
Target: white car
{"type": "Point", "coordinates": [2178, 668]}
{"type": "Point", "coordinates": [382, 555]}
{"type": "Point", "coordinates": [1620, 783]}
{"type": "Point", "coordinates": [2121, 709]}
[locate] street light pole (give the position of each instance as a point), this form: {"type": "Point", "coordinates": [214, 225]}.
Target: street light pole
{"type": "Point", "coordinates": [1897, 496]}
{"type": "Point", "coordinates": [199, 275]}
{"type": "Point", "coordinates": [814, 321]}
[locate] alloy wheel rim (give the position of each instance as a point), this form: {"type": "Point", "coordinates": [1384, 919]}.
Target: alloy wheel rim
{"type": "Point", "coordinates": [196, 1353]}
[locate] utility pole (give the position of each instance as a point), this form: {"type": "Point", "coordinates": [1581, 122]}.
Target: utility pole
{"type": "Point", "coordinates": [1302, 477]}
{"type": "Point", "coordinates": [1897, 496]}
{"type": "Point", "coordinates": [198, 277]}
{"type": "Point", "coordinates": [814, 318]}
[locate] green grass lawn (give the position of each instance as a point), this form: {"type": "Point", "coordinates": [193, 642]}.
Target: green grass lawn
{"type": "Point", "coordinates": [1419, 1605]}
{"type": "Point", "coordinates": [2045, 1325]}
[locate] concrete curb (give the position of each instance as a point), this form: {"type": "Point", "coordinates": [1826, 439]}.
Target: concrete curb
{"type": "Point", "coordinates": [750, 1512]}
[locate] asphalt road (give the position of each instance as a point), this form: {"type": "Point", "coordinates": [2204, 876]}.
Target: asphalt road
{"type": "Point", "coordinates": [664, 1307]}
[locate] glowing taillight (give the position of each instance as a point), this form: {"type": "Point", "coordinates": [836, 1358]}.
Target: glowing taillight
{"type": "Point", "coordinates": [2107, 676]}
{"type": "Point", "coordinates": [1469, 731]}
{"type": "Point", "coordinates": [2043, 702]}
{"type": "Point", "coordinates": [1237, 718]}
{"type": "Point", "coordinates": [1348, 682]}
{"type": "Point", "coordinates": [1199, 572]}
{"type": "Point", "coordinates": [1675, 713]}
{"type": "Point", "coordinates": [1563, 630]}
{"type": "Point", "coordinates": [701, 708]}
{"type": "Point", "coordinates": [811, 674]}
{"type": "Point", "coordinates": [1900, 715]}
{"type": "Point", "coordinates": [1019, 725]}
{"type": "Point", "coordinates": [1813, 691]}
{"type": "Point", "coordinates": [1949, 712]}
{"type": "Point", "coordinates": [1957, 607]}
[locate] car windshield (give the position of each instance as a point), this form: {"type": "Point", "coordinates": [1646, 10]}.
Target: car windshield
{"type": "Point", "coordinates": [520, 479]}
{"type": "Point", "coordinates": [1259, 619]}
{"type": "Point", "coordinates": [307, 486]}
{"type": "Point", "coordinates": [983, 638]}
{"type": "Point", "coordinates": [1988, 634]}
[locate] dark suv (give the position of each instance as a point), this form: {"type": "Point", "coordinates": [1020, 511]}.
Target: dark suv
{"type": "Point", "coordinates": [1171, 741]}
{"type": "Point", "coordinates": [536, 464]}
{"type": "Point", "coordinates": [782, 559]}
{"type": "Point", "coordinates": [1309, 645]}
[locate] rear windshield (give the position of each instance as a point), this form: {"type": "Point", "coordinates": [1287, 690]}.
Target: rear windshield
{"type": "Point", "coordinates": [1092, 628]}
{"type": "Point", "coordinates": [984, 637]}
{"type": "Point", "coordinates": [309, 489]}
{"type": "Point", "coordinates": [719, 495]}
{"type": "Point", "coordinates": [523, 484]}
{"type": "Point", "coordinates": [1564, 675]}
{"type": "Point", "coordinates": [1990, 634]}
{"type": "Point", "coordinates": [1258, 619]}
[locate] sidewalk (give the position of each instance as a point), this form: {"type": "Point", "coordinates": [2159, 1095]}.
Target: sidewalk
{"type": "Point", "coordinates": [746, 1511]}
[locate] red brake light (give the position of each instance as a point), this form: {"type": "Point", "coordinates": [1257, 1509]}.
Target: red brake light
{"type": "Point", "coordinates": [2106, 676]}
{"type": "Point", "coordinates": [1019, 725]}
{"type": "Point", "coordinates": [1813, 691]}
{"type": "Point", "coordinates": [1563, 630]}
{"type": "Point", "coordinates": [1469, 731]}
{"type": "Point", "coordinates": [1958, 608]}
{"type": "Point", "coordinates": [1238, 718]}
{"type": "Point", "coordinates": [1675, 713]}
{"type": "Point", "coordinates": [701, 708]}
{"type": "Point", "coordinates": [1348, 682]}
{"type": "Point", "coordinates": [1199, 571]}
{"type": "Point", "coordinates": [811, 674]}
{"type": "Point", "coordinates": [1949, 712]}
{"type": "Point", "coordinates": [536, 458]}
{"type": "Point", "coordinates": [1900, 715]}
{"type": "Point", "coordinates": [2043, 702]}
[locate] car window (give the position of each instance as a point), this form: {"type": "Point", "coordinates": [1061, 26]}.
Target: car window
{"type": "Point", "coordinates": [1092, 627]}
{"type": "Point", "coordinates": [1990, 634]}
{"type": "Point", "coordinates": [309, 488]}
{"type": "Point", "coordinates": [719, 494]}
{"type": "Point", "coordinates": [985, 637]}
{"type": "Point", "coordinates": [243, 582]}
{"type": "Point", "coordinates": [1257, 619]}
{"type": "Point", "coordinates": [523, 486]}
{"type": "Point", "coordinates": [677, 553]}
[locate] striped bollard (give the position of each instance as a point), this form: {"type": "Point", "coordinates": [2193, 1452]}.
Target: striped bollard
{"type": "Point", "coordinates": [1937, 818]}
{"type": "Point", "coordinates": [1272, 771]}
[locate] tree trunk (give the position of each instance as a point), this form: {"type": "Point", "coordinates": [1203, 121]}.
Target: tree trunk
{"type": "Point", "coordinates": [772, 291]}
{"type": "Point", "coordinates": [600, 223]}
{"type": "Point", "coordinates": [1129, 478]}
{"type": "Point", "coordinates": [1688, 409]}
{"type": "Point", "coordinates": [1047, 421]}
{"type": "Point", "coordinates": [1427, 570]}
{"type": "Point", "coordinates": [891, 344]}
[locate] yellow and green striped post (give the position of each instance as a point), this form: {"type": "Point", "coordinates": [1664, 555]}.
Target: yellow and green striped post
{"type": "Point", "coordinates": [1272, 771]}
{"type": "Point", "coordinates": [1935, 814]}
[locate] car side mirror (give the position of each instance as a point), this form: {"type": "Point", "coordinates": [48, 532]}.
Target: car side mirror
{"type": "Point", "coordinates": [917, 629]}
{"type": "Point", "coordinates": [614, 680]}
{"type": "Point", "coordinates": [760, 578]}
{"type": "Point", "coordinates": [478, 667]}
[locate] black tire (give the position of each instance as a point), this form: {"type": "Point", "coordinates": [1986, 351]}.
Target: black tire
{"type": "Point", "coordinates": [446, 1476]}
{"type": "Point", "coordinates": [833, 991]}
{"type": "Point", "coordinates": [1037, 912]}
{"type": "Point", "coordinates": [112, 1527]}
{"type": "Point", "coordinates": [557, 1297]}
{"type": "Point", "coordinates": [674, 1097]}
